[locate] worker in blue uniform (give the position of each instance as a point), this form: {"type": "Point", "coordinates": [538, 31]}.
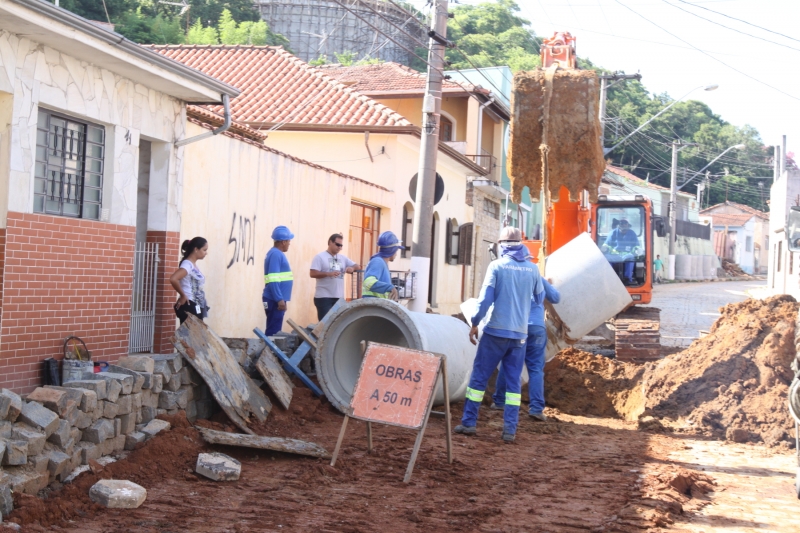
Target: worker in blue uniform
{"type": "Point", "coordinates": [377, 279]}
{"type": "Point", "coordinates": [277, 280]}
{"type": "Point", "coordinates": [511, 281]}
{"type": "Point", "coordinates": [622, 246]}
{"type": "Point", "coordinates": [534, 356]}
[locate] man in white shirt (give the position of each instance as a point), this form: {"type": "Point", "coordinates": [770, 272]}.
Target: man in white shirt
{"type": "Point", "coordinates": [329, 268]}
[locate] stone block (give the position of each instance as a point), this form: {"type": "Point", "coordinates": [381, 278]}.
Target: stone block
{"type": "Point", "coordinates": [26, 480]}
{"type": "Point", "coordinates": [152, 428]}
{"type": "Point", "coordinates": [218, 466]}
{"type": "Point", "coordinates": [98, 412]}
{"type": "Point", "coordinates": [16, 452]}
{"type": "Point", "coordinates": [173, 400]}
{"type": "Point", "coordinates": [118, 443]}
{"type": "Point", "coordinates": [114, 384]}
{"type": "Point", "coordinates": [158, 383]}
{"type": "Point", "coordinates": [88, 401]}
{"type": "Point", "coordinates": [107, 446]}
{"type": "Point", "coordinates": [136, 401]}
{"type": "Point", "coordinates": [53, 399]}
{"type": "Point", "coordinates": [76, 434]}
{"type": "Point", "coordinates": [60, 437]}
{"type": "Point", "coordinates": [173, 384]}
{"type": "Point", "coordinates": [205, 408]}
{"type": "Point", "coordinates": [38, 416]}
{"type": "Point", "coordinates": [98, 386]}
{"type": "Point", "coordinates": [184, 375]}
{"type": "Point", "coordinates": [148, 414]}
{"type": "Point", "coordinates": [149, 398]}
{"type": "Point", "coordinates": [191, 411]}
{"type": "Point", "coordinates": [71, 412]}
{"type": "Point", "coordinates": [125, 380]}
{"type": "Point", "coordinates": [134, 438]}
{"type": "Point", "coordinates": [75, 462]}
{"type": "Point", "coordinates": [99, 431]}
{"type": "Point", "coordinates": [6, 501]}
{"type": "Point", "coordinates": [58, 463]}
{"type": "Point", "coordinates": [117, 494]}
{"type": "Point", "coordinates": [33, 437]}
{"type": "Point", "coordinates": [124, 404]}
{"type": "Point", "coordinates": [189, 392]}
{"type": "Point", "coordinates": [174, 360]}
{"type": "Point", "coordinates": [160, 412]}
{"type": "Point", "coordinates": [127, 423]}
{"type": "Point", "coordinates": [88, 450]}
{"type": "Point", "coordinates": [147, 380]}
{"type": "Point", "coordinates": [2, 452]}
{"type": "Point", "coordinates": [38, 462]}
{"type": "Point", "coordinates": [138, 363]}
{"type": "Point", "coordinates": [163, 368]}
{"type": "Point", "coordinates": [117, 427]}
{"type": "Point", "coordinates": [173, 412]}
{"type": "Point", "coordinates": [5, 429]}
{"type": "Point", "coordinates": [138, 377]}
{"type": "Point", "coordinates": [10, 405]}
{"type": "Point", "coordinates": [110, 409]}
{"type": "Point", "coordinates": [83, 420]}
{"type": "Point", "coordinates": [72, 394]}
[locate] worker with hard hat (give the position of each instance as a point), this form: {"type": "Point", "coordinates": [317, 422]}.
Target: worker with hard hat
{"type": "Point", "coordinates": [377, 279]}
{"type": "Point", "coordinates": [535, 347]}
{"type": "Point", "coordinates": [510, 283]}
{"type": "Point", "coordinates": [277, 280]}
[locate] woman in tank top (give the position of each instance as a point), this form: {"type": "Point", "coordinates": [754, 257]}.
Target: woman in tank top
{"type": "Point", "coordinates": [188, 281]}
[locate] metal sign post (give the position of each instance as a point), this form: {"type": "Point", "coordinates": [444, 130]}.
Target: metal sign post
{"type": "Point", "coordinates": [395, 387]}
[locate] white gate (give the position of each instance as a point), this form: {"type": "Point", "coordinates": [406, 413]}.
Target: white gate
{"type": "Point", "coordinates": [143, 302]}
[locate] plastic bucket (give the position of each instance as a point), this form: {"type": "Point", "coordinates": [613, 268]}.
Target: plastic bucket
{"type": "Point", "coordinates": [74, 370]}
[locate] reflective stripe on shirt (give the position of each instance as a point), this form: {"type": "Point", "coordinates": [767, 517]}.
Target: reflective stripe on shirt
{"type": "Point", "coordinates": [278, 277]}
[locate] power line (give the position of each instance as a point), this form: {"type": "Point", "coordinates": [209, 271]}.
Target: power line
{"type": "Point", "coordinates": [729, 28]}
{"type": "Point", "coordinates": [739, 20]}
{"type": "Point", "coordinates": [707, 54]}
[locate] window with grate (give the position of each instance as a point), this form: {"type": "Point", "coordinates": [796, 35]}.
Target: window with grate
{"type": "Point", "coordinates": [491, 208]}
{"type": "Point", "coordinates": [69, 167]}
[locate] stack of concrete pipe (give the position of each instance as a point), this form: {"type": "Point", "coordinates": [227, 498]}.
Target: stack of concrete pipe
{"type": "Point", "coordinates": [695, 267]}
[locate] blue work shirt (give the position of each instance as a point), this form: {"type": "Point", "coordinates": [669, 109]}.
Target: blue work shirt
{"type": "Point", "coordinates": [277, 277]}
{"type": "Point", "coordinates": [509, 285]}
{"type": "Point", "coordinates": [622, 242]}
{"type": "Point", "coordinates": [377, 279]}
{"type": "Point", "coordinates": [536, 318]}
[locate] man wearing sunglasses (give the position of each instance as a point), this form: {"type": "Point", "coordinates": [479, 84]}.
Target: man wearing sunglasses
{"type": "Point", "coordinates": [329, 268]}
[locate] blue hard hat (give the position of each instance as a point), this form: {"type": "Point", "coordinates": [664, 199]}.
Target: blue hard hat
{"type": "Point", "coordinates": [282, 233]}
{"type": "Point", "coordinates": [388, 239]}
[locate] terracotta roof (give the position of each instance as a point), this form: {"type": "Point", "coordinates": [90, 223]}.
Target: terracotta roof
{"type": "Point", "coordinates": [740, 207]}
{"type": "Point", "coordinates": [724, 219]}
{"type": "Point", "coordinates": [385, 79]}
{"type": "Point", "coordinates": [639, 181]}
{"type": "Point", "coordinates": [261, 146]}
{"type": "Point", "coordinates": [278, 87]}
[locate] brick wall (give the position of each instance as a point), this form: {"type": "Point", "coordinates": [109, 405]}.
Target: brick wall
{"type": "Point", "coordinates": [61, 277]}
{"type": "Point", "coordinates": [169, 251]}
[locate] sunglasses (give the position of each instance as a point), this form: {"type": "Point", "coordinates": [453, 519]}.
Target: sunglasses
{"type": "Point", "coordinates": [338, 244]}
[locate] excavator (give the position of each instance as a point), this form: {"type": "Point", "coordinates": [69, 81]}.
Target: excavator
{"type": "Point", "coordinates": [621, 226]}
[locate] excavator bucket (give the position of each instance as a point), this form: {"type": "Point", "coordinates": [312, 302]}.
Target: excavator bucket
{"type": "Point", "coordinates": [555, 133]}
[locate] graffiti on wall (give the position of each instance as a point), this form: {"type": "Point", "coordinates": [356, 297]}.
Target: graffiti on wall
{"type": "Point", "coordinates": [243, 240]}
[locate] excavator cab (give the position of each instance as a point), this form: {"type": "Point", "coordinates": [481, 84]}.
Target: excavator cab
{"type": "Point", "coordinates": [621, 227]}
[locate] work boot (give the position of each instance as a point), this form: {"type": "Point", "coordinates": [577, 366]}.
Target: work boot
{"type": "Point", "coordinates": [508, 437]}
{"type": "Point", "coordinates": [540, 417]}
{"type": "Point", "coordinates": [495, 407]}
{"type": "Point", "coordinates": [465, 430]}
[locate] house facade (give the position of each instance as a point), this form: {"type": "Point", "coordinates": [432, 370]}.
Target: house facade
{"type": "Point", "coordinates": [783, 275]}
{"type": "Point", "coordinates": [758, 245]}
{"type": "Point", "coordinates": [78, 103]}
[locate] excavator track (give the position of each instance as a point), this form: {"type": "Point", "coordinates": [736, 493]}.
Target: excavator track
{"type": "Point", "coordinates": [638, 334]}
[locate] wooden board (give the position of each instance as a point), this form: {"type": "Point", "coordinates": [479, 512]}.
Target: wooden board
{"type": "Point", "coordinates": [234, 391]}
{"type": "Point", "coordinates": [270, 369]}
{"type": "Point", "coordinates": [302, 333]}
{"type": "Point", "coordinates": [278, 444]}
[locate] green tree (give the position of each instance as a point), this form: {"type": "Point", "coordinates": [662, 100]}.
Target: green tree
{"type": "Point", "coordinates": [346, 58]}
{"type": "Point", "coordinates": [198, 34]}
{"type": "Point", "coordinates": [146, 29]}
{"type": "Point", "coordinates": [491, 34]}
{"type": "Point", "coordinates": [94, 10]}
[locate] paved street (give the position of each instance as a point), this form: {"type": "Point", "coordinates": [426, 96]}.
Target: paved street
{"type": "Point", "coordinates": [688, 308]}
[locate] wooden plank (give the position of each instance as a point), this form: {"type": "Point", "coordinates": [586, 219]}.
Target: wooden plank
{"type": "Point", "coordinates": [302, 333]}
{"type": "Point", "coordinates": [277, 444]}
{"type": "Point", "coordinates": [270, 369]}
{"type": "Point", "coordinates": [234, 391]}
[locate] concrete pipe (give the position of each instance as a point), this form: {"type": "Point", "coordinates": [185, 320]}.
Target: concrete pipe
{"type": "Point", "coordinates": [338, 355]}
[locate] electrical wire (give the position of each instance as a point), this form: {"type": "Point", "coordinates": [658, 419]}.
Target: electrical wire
{"type": "Point", "coordinates": [729, 28]}
{"type": "Point", "coordinates": [708, 54]}
{"type": "Point", "coordinates": [739, 20]}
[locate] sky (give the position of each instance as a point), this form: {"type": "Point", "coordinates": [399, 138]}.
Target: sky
{"type": "Point", "coordinates": [676, 52]}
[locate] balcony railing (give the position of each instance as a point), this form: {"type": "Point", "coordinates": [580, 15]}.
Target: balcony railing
{"type": "Point", "coordinates": [402, 281]}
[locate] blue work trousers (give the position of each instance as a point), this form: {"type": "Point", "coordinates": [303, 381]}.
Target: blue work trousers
{"type": "Point", "coordinates": [274, 317]}
{"type": "Point", "coordinates": [534, 360]}
{"type": "Point", "coordinates": [491, 351]}
{"type": "Point", "coordinates": [628, 263]}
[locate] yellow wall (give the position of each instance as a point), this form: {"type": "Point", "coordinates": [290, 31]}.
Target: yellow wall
{"type": "Point", "coordinates": [488, 135]}
{"type": "Point", "coordinates": [457, 108]}
{"type": "Point", "coordinates": [410, 108]}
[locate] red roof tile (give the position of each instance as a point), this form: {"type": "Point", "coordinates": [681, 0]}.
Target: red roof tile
{"type": "Point", "coordinates": [639, 181]}
{"type": "Point", "coordinates": [280, 88]}
{"type": "Point", "coordinates": [725, 219]}
{"type": "Point", "coordinates": [389, 78]}
{"type": "Point", "coordinates": [741, 207]}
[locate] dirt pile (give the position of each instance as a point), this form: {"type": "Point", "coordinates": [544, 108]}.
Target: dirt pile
{"type": "Point", "coordinates": [581, 383]}
{"type": "Point", "coordinates": [735, 378]}
{"type": "Point", "coordinates": [733, 270]}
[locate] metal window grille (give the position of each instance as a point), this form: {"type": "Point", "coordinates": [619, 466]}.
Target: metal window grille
{"type": "Point", "coordinates": [402, 281]}
{"type": "Point", "coordinates": [491, 208]}
{"type": "Point", "coordinates": [68, 179]}
{"type": "Point", "coordinates": [143, 301]}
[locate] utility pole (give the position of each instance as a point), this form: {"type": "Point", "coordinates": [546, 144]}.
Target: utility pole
{"type": "Point", "coordinates": [429, 150]}
{"type": "Point", "coordinates": [604, 87]}
{"type": "Point", "coordinates": [677, 146]}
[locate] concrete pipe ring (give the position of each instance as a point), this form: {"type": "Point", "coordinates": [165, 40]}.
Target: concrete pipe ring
{"type": "Point", "coordinates": [338, 355]}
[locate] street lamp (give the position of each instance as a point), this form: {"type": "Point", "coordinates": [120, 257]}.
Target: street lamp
{"type": "Point", "coordinates": [734, 147]}
{"type": "Point", "coordinates": [712, 87]}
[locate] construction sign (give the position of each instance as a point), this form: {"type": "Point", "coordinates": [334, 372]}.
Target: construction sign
{"type": "Point", "coordinates": [395, 385]}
